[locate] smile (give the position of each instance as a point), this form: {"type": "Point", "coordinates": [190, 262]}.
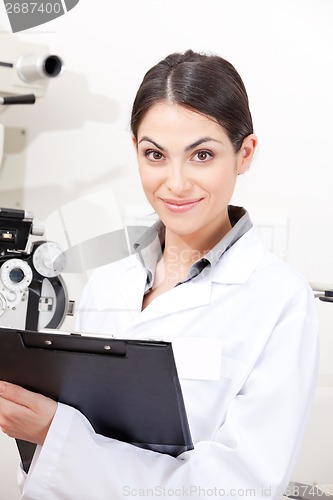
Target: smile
{"type": "Point", "coordinates": [180, 206]}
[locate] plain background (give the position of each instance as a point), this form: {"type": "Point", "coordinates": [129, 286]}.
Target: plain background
{"type": "Point", "coordinates": [76, 141]}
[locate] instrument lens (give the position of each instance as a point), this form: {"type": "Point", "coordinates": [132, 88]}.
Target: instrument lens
{"type": "Point", "coordinates": [16, 275]}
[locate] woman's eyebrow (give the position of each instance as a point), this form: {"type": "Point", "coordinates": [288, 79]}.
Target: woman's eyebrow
{"type": "Point", "coordinates": [145, 138]}
{"type": "Point", "coordinates": [200, 141]}
{"type": "Point", "coordinates": [188, 148]}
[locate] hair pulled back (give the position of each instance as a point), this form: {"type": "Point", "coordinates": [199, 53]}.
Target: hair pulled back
{"type": "Point", "coordinates": [207, 84]}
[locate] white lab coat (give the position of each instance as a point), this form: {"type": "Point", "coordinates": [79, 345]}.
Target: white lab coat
{"type": "Point", "coordinates": [256, 324]}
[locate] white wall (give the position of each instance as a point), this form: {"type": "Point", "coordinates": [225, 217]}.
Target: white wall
{"type": "Point", "coordinates": [77, 138]}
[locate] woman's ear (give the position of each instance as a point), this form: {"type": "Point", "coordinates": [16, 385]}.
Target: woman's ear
{"type": "Point", "coordinates": [135, 142]}
{"type": "Point", "coordinates": [246, 152]}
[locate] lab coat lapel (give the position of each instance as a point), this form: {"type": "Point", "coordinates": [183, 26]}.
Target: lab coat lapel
{"type": "Point", "coordinates": [131, 289]}
{"type": "Point", "coordinates": [241, 260]}
{"type": "Point", "coordinates": [182, 297]}
{"type": "Point", "coordinates": [236, 266]}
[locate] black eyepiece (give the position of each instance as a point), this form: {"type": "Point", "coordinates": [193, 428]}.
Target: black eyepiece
{"type": "Point", "coordinates": [52, 66]}
{"type": "Point", "coordinates": [16, 275]}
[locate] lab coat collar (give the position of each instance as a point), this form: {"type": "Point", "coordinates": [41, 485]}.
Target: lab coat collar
{"type": "Point", "coordinates": [235, 267]}
{"type": "Point", "coordinates": [241, 260]}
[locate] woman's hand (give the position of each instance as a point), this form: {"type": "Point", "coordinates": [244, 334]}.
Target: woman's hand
{"type": "Point", "coordinates": [25, 414]}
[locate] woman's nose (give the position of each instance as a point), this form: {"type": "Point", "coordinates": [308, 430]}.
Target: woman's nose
{"type": "Point", "coordinates": [178, 180]}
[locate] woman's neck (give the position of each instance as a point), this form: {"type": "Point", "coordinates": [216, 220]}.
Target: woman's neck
{"type": "Point", "coordinates": [184, 250]}
{"type": "Point", "coordinates": [180, 252]}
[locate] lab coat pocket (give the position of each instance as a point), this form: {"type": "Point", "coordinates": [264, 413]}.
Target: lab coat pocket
{"type": "Point", "coordinates": [209, 381]}
{"type": "Point", "coordinates": [232, 369]}
{"type": "Point", "coordinates": [198, 358]}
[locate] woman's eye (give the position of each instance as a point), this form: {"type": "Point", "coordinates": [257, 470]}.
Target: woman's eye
{"type": "Point", "coordinates": [202, 155]}
{"type": "Point", "coordinates": [153, 154]}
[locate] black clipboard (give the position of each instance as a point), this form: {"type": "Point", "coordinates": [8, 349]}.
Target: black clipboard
{"type": "Point", "coordinates": [128, 389]}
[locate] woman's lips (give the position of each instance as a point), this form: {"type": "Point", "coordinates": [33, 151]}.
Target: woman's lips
{"type": "Point", "coordinates": [180, 206]}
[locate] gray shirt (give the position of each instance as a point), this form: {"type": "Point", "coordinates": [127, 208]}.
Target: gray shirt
{"type": "Point", "coordinates": [149, 247]}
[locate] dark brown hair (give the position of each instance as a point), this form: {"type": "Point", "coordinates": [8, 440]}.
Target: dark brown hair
{"type": "Point", "coordinates": [207, 84]}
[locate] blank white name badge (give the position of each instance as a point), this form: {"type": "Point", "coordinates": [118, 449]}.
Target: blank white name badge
{"type": "Point", "coordinates": [197, 357]}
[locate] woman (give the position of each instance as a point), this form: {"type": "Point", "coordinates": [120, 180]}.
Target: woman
{"type": "Point", "coordinates": [201, 273]}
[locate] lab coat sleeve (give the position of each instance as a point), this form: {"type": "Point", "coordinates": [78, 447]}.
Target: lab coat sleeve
{"type": "Point", "coordinates": [251, 455]}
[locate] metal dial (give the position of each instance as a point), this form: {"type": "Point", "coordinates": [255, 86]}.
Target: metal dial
{"type": "Point", "coordinates": [16, 274]}
{"type": "Point", "coordinates": [49, 259]}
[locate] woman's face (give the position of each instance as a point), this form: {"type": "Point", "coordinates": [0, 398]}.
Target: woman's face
{"type": "Point", "coordinates": [188, 169]}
